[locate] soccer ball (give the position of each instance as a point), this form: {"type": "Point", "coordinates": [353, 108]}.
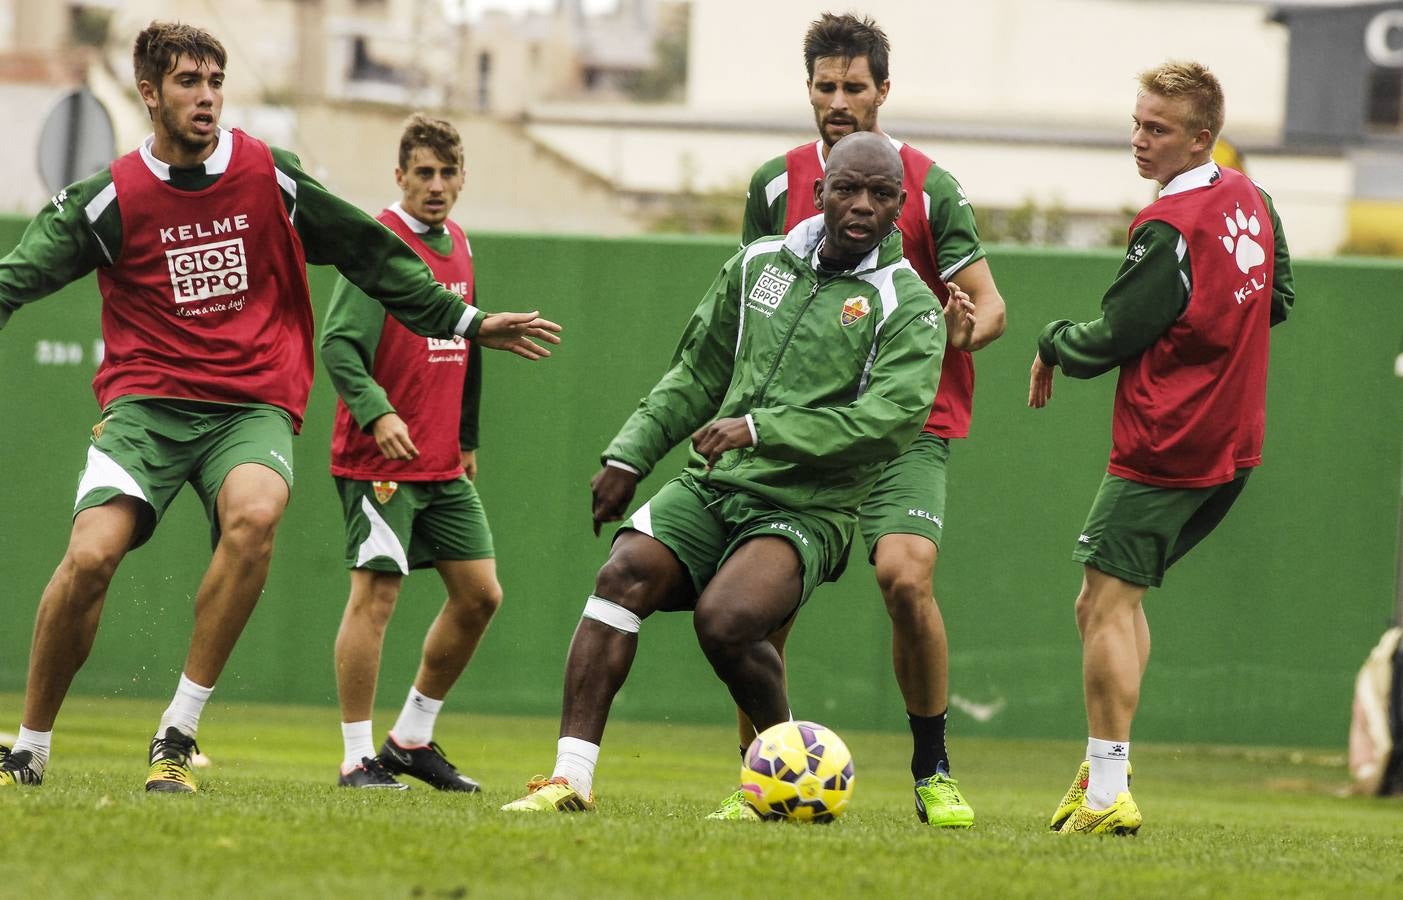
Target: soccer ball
{"type": "Point", "coordinates": [799, 771]}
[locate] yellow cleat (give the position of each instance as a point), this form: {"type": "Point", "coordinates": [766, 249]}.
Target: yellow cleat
{"type": "Point", "coordinates": [1076, 795]}
{"type": "Point", "coordinates": [940, 804]}
{"type": "Point", "coordinates": [735, 808]}
{"type": "Point", "coordinates": [170, 763]}
{"type": "Point", "coordinates": [551, 795]}
{"type": "Point", "coordinates": [1122, 817]}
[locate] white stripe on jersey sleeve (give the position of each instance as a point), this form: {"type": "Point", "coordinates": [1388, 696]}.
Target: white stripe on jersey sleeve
{"type": "Point", "coordinates": [777, 186]}
{"type": "Point", "coordinates": [289, 186]}
{"type": "Point", "coordinates": [957, 266]}
{"type": "Point", "coordinates": [94, 210]}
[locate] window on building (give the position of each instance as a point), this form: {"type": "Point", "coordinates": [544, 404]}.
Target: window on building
{"type": "Point", "coordinates": [1385, 99]}
{"type": "Point", "coordinates": [484, 82]}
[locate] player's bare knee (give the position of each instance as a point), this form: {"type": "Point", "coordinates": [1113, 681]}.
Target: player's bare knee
{"type": "Point", "coordinates": [250, 525]}
{"type": "Point", "coordinates": [906, 590]}
{"type": "Point", "coordinates": [84, 574]}
{"type": "Point", "coordinates": [479, 604]}
{"type": "Point", "coordinates": [89, 566]}
{"type": "Point", "coordinates": [719, 630]}
{"type": "Point", "coordinates": [624, 582]}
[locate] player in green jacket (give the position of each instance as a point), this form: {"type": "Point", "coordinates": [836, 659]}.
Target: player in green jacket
{"type": "Point", "coordinates": [811, 361]}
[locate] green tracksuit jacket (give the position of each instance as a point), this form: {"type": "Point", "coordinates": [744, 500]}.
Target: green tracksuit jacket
{"type": "Point", "coordinates": [836, 372]}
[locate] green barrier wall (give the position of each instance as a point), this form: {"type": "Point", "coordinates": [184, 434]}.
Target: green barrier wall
{"type": "Point", "coordinates": [1257, 634]}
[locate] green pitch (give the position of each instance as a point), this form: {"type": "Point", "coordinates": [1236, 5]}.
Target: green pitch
{"type": "Point", "coordinates": [268, 821]}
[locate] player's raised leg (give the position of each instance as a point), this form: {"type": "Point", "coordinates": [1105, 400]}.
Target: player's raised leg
{"type": "Point", "coordinates": [65, 627]}
{"type": "Point", "coordinates": [641, 576]}
{"type": "Point", "coordinates": [474, 596]}
{"type": "Point", "coordinates": [249, 505]}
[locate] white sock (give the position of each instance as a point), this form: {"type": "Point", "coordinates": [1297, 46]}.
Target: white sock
{"type": "Point", "coordinates": [186, 706]}
{"type": "Point", "coordinates": [415, 725]}
{"type": "Point", "coordinates": [37, 743]}
{"type": "Point", "coordinates": [575, 760]}
{"type": "Point", "coordinates": [1109, 760]}
{"type": "Point", "coordinates": [359, 743]}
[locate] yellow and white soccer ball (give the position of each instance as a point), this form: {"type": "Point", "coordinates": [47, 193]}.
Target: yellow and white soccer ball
{"type": "Point", "coordinates": [799, 771]}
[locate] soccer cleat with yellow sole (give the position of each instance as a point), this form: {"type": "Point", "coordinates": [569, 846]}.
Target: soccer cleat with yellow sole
{"type": "Point", "coordinates": [1076, 795]}
{"type": "Point", "coordinates": [1121, 817]}
{"type": "Point", "coordinates": [735, 808]}
{"type": "Point", "coordinates": [16, 768]}
{"type": "Point", "coordinates": [551, 795]}
{"type": "Point", "coordinates": [170, 763]}
{"type": "Point", "coordinates": [940, 804]}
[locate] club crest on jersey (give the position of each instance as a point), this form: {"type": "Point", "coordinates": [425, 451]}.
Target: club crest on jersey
{"type": "Point", "coordinates": [770, 289]}
{"type": "Point", "coordinates": [206, 271]}
{"type": "Point", "coordinates": [854, 308]}
{"type": "Point", "coordinates": [384, 490]}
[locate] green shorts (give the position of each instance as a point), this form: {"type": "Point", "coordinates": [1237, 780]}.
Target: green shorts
{"type": "Point", "coordinates": [1136, 531]}
{"type": "Point", "coordinates": [703, 526]}
{"type": "Point", "coordinates": [397, 526]}
{"type": "Point", "coordinates": [149, 448]}
{"type": "Point", "coordinates": [909, 497]}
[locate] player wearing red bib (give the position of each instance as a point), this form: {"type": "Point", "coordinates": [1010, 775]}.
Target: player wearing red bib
{"type": "Point", "coordinates": [404, 456]}
{"type": "Point", "coordinates": [200, 238]}
{"type": "Point", "coordinates": [1206, 274]}
{"type": "Point", "coordinates": [902, 520]}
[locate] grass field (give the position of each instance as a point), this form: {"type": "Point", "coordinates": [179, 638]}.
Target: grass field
{"type": "Point", "coordinates": [268, 821]}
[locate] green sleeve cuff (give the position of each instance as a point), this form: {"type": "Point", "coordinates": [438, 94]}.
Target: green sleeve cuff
{"type": "Point", "coordinates": [474, 324]}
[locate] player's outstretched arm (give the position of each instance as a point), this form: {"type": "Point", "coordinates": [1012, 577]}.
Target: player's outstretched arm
{"type": "Point", "coordinates": [518, 333]}
{"type": "Point", "coordinates": [690, 391]}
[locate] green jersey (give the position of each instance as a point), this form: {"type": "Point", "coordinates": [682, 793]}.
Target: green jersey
{"type": "Point", "coordinates": [835, 373]}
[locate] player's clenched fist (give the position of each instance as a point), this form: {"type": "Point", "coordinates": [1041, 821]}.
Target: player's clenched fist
{"type": "Point", "coordinates": [717, 437]}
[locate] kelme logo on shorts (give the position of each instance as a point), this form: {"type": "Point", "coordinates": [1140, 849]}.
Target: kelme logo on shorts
{"type": "Point", "coordinates": [854, 308]}
{"type": "Point", "coordinates": [770, 289]}
{"type": "Point", "coordinates": [207, 271]}
{"type": "Point", "coordinates": [928, 516]}
{"type": "Point", "coordinates": [784, 526]}
{"type": "Point", "coordinates": [384, 490]}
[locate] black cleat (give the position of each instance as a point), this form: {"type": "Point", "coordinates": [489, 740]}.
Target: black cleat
{"type": "Point", "coordinates": [427, 764]}
{"type": "Point", "coordinates": [370, 774]}
{"type": "Point", "coordinates": [15, 768]}
{"type": "Point", "coordinates": [170, 763]}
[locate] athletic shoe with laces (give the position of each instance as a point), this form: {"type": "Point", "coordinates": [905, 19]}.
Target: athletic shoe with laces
{"type": "Point", "coordinates": [426, 763]}
{"type": "Point", "coordinates": [170, 763]}
{"type": "Point", "coordinates": [735, 808]}
{"type": "Point", "coordinates": [1076, 795]}
{"type": "Point", "coordinates": [551, 795]}
{"type": "Point", "coordinates": [16, 768]}
{"type": "Point", "coordinates": [940, 804]}
{"type": "Point", "coordinates": [1121, 817]}
{"type": "Point", "coordinates": [369, 773]}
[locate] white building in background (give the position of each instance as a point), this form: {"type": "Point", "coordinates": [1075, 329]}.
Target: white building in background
{"type": "Point", "coordinates": [1027, 101]}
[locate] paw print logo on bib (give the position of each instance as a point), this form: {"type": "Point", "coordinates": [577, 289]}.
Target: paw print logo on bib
{"type": "Point", "coordinates": [1240, 240]}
